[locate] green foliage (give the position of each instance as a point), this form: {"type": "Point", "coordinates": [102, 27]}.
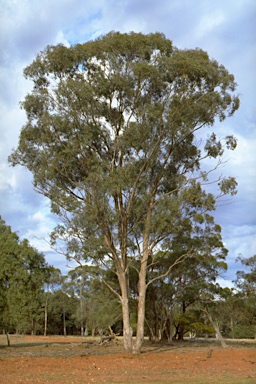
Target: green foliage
{"type": "Point", "coordinates": [188, 280]}
{"type": "Point", "coordinates": [111, 128]}
{"type": "Point", "coordinates": [246, 281]}
{"type": "Point", "coordinates": [243, 303]}
{"type": "Point", "coordinates": [193, 323]}
{"type": "Point", "coordinates": [61, 313]}
{"type": "Point", "coordinates": [244, 332]}
{"type": "Point", "coordinates": [97, 308]}
{"type": "Point", "coordinates": [23, 273]}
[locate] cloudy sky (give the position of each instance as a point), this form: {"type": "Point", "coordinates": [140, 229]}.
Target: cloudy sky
{"type": "Point", "coordinates": [225, 29]}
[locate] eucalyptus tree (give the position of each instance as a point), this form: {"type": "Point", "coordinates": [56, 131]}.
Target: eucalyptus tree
{"type": "Point", "coordinates": [112, 139]}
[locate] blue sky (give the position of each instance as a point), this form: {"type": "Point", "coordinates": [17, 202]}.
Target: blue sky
{"type": "Point", "coordinates": [225, 29]}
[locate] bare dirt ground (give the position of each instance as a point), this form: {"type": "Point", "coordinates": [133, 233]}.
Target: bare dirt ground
{"type": "Point", "coordinates": [77, 360]}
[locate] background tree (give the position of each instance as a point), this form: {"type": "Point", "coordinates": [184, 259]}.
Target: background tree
{"type": "Point", "coordinates": [9, 252]}
{"type": "Point", "coordinates": [104, 310]}
{"type": "Point", "coordinates": [186, 281]}
{"type": "Point", "coordinates": [245, 299]}
{"type": "Point", "coordinates": [52, 284]}
{"type": "Point", "coordinates": [211, 302]}
{"type": "Point", "coordinates": [98, 309]}
{"type": "Point", "coordinates": [23, 273]}
{"type": "Point", "coordinates": [77, 282]}
{"type": "Point", "coordinates": [112, 139]}
{"type": "Point", "coordinates": [61, 313]}
{"type": "Point", "coordinates": [35, 273]}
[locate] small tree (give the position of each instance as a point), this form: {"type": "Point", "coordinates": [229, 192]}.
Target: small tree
{"type": "Point", "coordinates": [112, 139]}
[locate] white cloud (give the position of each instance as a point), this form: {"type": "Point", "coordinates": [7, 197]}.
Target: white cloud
{"type": "Point", "coordinates": [209, 22]}
{"type": "Point", "coordinates": [225, 283]}
{"type": "Point", "coordinates": [242, 239]}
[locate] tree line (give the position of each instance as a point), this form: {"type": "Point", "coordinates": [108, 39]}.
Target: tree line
{"type": "Point", "coordinates": [35, 298]}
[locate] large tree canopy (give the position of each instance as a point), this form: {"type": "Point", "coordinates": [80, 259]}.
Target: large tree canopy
{"type": "Point", "coordinates": [112, 139]}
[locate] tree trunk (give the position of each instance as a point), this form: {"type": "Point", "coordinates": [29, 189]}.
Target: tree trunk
{"type": "Point", "coordinates": [156, 324]}
{"type": "Point", "coordinates": [64, 322]}
{"type": "Point", "coordinates": [141, 307]}
{"type": "Point", "coordinates": [33, 327]}
{"type": "Point", "coordinates": [170, 328]}
{"type": "Point", "coordinates": [81, 307]}
{"type": "Point", "coordinates": [127, 329]}
{"type": "Point", "coordinates": [181, 326]}
{"type": "Point", "coordinates": [151, 332]}
{"type": "Point", "coordinates": [8, 339]}
{"type": "Point", "coordinates": [232, 327]}
{"type": "Point", "coordinates": [222, 341]}
{"type": "Point", "coordinates": [45, 316]}
{"type": "Point", "coordinates": [123, 279]}
{"type": "Point", "coordinates": [216, 329]}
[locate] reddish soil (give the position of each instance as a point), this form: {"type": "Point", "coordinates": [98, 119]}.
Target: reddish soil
{"type": "Point", "coordinates": [76, 360]}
